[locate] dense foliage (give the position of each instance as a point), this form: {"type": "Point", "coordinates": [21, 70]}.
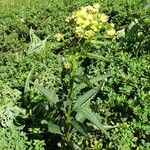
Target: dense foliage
{"type": "Point", "coordinates": [75, 75]}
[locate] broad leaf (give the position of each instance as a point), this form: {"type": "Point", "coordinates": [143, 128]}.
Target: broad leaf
{"type": "Point", "coordinates": [87, 96]}
{"type": "Point", "coordinates": [91, 116]}
{"type": "Point", "coordinates": [49, 94]}
{"type": "Point", "coordinates": [53, 128]}
{"type": "Point", "coordinates": [77, 125]}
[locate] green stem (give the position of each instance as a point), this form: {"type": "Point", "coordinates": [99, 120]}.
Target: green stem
{"type": "Point", "coordinates": [70, 96]}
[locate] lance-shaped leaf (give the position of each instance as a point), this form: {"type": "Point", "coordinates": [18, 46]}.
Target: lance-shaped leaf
{"type": "Point", "coordinates": [53, 128]}
{"type": "Point", "coordinates": [99, 43]}
{"type": "Point", "coordinates": [49, 94]}
{"type": "Point", "coordinates": [85, 97]}
{"type": "Point", "coordinates": [96, 56]}
{"type": "Point", "coordinates": [106, 127]}
{"type": "Point", "coordinates": [80, 117]}
{"type": "Point", "coordinates": [84, 80]}
{"type": "Point", "coordinates": [26, 87]}
{"type": "Point", "coordinates": [91, 116]}
{"type": "Point", "coordinates": [77, 125]}
{"type": "Point", "coordinates": [94, 80]}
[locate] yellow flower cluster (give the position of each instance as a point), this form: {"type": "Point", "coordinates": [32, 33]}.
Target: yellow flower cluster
{"type": "Point", "coordinates": [89, 20]}
{"type": "Point", "coordinates": [66, 63]}
{"type": "Point", "coordinates": [59, 36]}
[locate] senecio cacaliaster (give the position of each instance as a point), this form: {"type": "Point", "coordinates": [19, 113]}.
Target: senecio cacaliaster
{"type": "Point", "coordinates": [89, 20]}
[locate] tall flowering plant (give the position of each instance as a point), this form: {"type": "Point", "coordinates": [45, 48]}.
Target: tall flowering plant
{"type": "Point", "coordinates": [87, 22]}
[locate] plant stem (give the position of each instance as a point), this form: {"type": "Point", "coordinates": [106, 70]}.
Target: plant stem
{"type": "Point", "coordinates": [70, 97]}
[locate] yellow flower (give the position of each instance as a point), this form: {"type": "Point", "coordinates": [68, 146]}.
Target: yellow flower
{"type": "Point", "coordinates": [82, 11]}
{"type": "Point", "coordinates": [103, 17]}
{"type": "Point", "coordinates": [67, 65]}
{"type": "Point", "coordinates": [86, 22]}
{"type": "Point", "coordinates": [89, 8]}
{"type": "Point", "coordinates": [94, 28]}
{"type": "Point", "coordinates": [59, 36]}
{"type": "Point", "coordinates": [79, 31]}
{"type": "Point", "coordinates": [89, 17]}
{"type": "Point", "coordinates": [95, 22]}
{"type": "Point", "coordinates": [96, 7]}
{"type": "Point", "coordinates": [100, 25]}
{"type": "Point", "coordinates": [89, 34]}
{"type": "Point", "coordinates": [79, 20]}
{"type": "Point", "coordinates": [111, 32]}
{"type": "Point", "coordinates": [94, 25]}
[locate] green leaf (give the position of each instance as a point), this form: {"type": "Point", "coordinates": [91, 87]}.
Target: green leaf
{"type": "Point", "coordinates": [79, 117]}
{"type": "Point", "coordinates": [75, 146]}
{"type": "Point", "coordinates": [99, 43]}
{"type": "Point", "coordinates": [91, 116]}
{"type": "Point", "coordinates": [87, 96]}
{"type": "Point", "coordinates": [57, 45]}
{"type": "Point", "coordinates": [26, 87]}
{"type": "Point", "coordinates": [49, 94]}
{"type": "Point", "coordinates": [53, 128]}
{"type": "Point", "coordinates": [121, 33]}
{"type": "Point", "coordinates": [96, 56]}
{"type": "Point", "coordinates": [77, 125]}
{"type": "Point", "coordinates": [36, 43]}
{"type": "Point", "coordinates": [94, 80]}
{"type": "Point", "coordinates": [148, 5]}
{"type": "Point", "coordinates": [106, 127]}
{"type": "Point", "coordinates": [100, 78]}
{"type": "Point", "coordinates": [84, 79]}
